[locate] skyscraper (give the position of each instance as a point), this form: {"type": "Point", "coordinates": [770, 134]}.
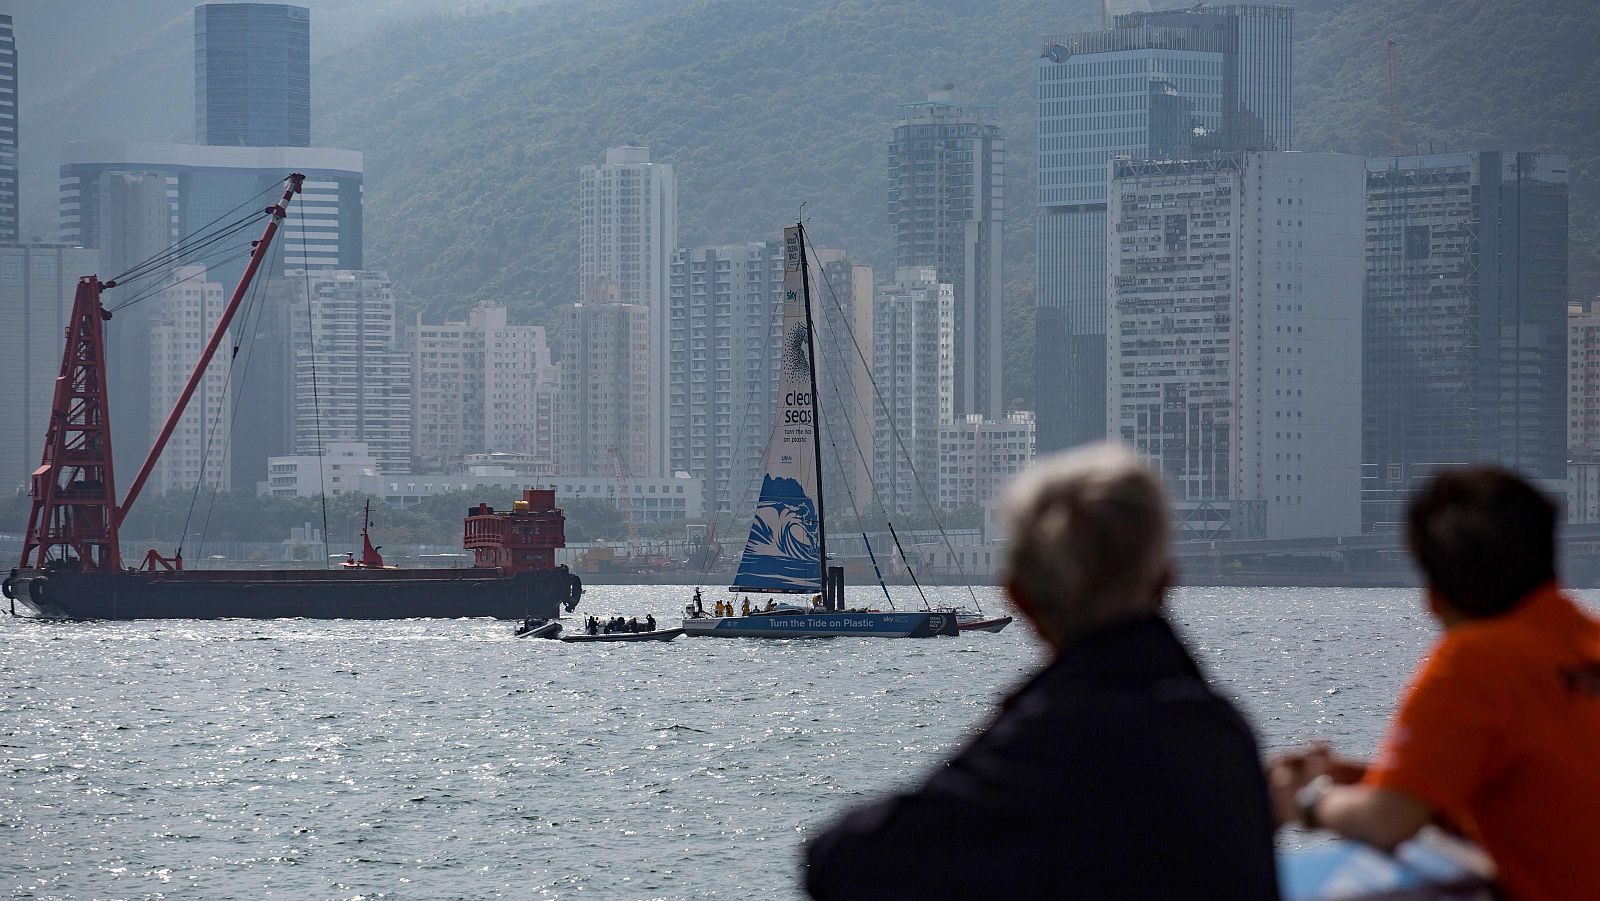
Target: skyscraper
{"type": "Point", "coordinates": [481, 386]}
{"type": "Point", "coordinates": [252, 75]}
{"type": "Point", "coordinates": [37, 285]}
{"type": "Point", "coordinates": [1465, 320]}
{"type": "Point", "coordinates": [605, 367]}
{"type": "Point", "coordinates": [134, 223]}
{"type": "Point", "coordinates": [726, 311]}
{"type": "Point", "coordinates": [913, 333]}
{"type": "Point", "coordinates": [10, 208]}
{"type": "Point", "coordinates": [843, 290]}
{"type": "Point", "coordinates": [628, 229]}
{"type": "Point", "coordinates": [322, 231]}
{"type": "Point", "coordinates": [187, 309]}
{"type": "Point", "coordinates": [351, 381]}
{"type": "Point", "coordinates": [113, 196]}
{"type": "Point", "coordinates": [1178, 84]}
{"type": "Point", "coordinates": [946, 202]}
{"type": "Point", "coordinates": [725, 308]}
{"type": "Point", "coordinates": [1234, 326]}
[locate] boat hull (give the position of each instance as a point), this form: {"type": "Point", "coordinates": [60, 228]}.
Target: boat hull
{"type": "Point", "coordinates": [658, 635]}
{"type": "Point", "coordinates": [546, 629]}
{"type": "Point", "coordinates": [823, 625]}
{"type": "Point", "coordinates": [992, 624]}
{"type": "Point", "coordinates": [310, 594]}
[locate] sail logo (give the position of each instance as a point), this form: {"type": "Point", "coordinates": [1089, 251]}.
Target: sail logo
{"type": "Point", "coordinates": [781, 552]}
{"type": "Point", "coordinates": [791, 249]}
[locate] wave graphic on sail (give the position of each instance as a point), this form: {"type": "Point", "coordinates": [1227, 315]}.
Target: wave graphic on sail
{"type": "Point", "coordinates": [781, 553]}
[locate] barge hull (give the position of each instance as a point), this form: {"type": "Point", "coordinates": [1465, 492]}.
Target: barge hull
{"type": "Point", "coordinates": [308, 594]}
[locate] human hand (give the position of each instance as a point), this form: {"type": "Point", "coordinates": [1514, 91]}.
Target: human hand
{"type": "Point", "coordinates": [1289, 772]}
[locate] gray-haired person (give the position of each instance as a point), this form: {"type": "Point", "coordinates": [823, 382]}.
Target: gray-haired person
{"type": "Point", "coordinates": [1115, 771]}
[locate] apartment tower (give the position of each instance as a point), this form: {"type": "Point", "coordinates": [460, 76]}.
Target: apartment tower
{"type": "Point", "coordinates": [947, 163]}
{"type": "Point", "coordinates": [627, 231]}
{"type": "Point", "coordinates": [1234, 327]}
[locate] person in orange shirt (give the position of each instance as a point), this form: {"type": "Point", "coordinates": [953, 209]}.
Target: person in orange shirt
{"type": "Point", "coordinates": [1499, 732]}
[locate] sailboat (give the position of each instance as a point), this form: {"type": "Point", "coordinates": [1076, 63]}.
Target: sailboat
{"type": "Point", "coordinates": [787, 551]}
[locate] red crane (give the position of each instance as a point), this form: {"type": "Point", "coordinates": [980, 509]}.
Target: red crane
{"type": "Point", "coordinates": [75, 513]}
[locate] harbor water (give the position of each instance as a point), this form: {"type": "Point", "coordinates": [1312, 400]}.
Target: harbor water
{"type": "Point", "coordinates": [442, 758]}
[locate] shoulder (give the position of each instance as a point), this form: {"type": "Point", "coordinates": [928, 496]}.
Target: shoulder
{"type": "Point", "coordinates": [1081, 724]}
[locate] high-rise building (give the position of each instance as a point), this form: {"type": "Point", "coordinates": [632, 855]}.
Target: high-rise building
{"type": "Point", "coordinates": [842, 296]}
{"type": "Point", "coordinates": [978, 457]}
{"type": "Point", "coordinates": [10, 207]}
{"type": "Point", "coordinates": [134, 224]}
{"type": "Point", "coordinates": [208, 185]}
{"type": "Point", "coordinates": [1466, 320]}
{"type": "Point", "coordinates": [1583, 382]}
{"type": "Point", "coordinates": [725, 308]}
{"type": "Point", "coordinates": [1234, 358]}
{"type": "Point", "coordinates": [628, 229]}
{"type": "Point", "coordinates": [111, 198]}
{"type": "Point", "coordinates": [252, 75]}
{"type": "Point", "coordinates": [37, 286]}
{"type": "Point", "coordinates": [1177, 84]}
{"type": "Point", "coordinates": [947, 164]}
{"type": "Point", "coordinates": [187, 310]}
{"type": "Point", "coordinates": [351, 382]}
{"type": "Point", "coordinates": [913, 332]}
{"type": "Point", "coordinates": [605, 387]}
{"type": "Point", "coordinates": [482, 386]}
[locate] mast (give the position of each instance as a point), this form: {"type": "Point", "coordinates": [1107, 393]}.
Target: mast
{"type": "Point", "coordinates": [816, 420]}
{"type": "Point", "coordinates": [276, 213]}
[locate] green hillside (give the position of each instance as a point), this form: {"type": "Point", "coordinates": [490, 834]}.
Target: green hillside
{"type": "Point", "coordinates": [474, 124]}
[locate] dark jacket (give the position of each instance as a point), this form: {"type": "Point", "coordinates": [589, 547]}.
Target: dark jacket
{"type": "Point", "coordinates": [1114, 773]}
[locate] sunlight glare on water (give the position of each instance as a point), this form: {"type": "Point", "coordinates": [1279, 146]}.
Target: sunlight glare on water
{"type": "Point", "coordinates": [442, 758]}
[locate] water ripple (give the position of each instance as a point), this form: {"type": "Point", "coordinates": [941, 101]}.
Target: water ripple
{"type": "Point", "coordinates": [442, 758]}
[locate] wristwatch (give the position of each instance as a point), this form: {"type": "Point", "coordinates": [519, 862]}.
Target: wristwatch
{"type": "Point", "coordinates": [1307, 798]}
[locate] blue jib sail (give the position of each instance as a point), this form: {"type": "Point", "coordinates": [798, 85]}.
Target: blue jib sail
{"type": "Point", "coordinates": [782, 551]}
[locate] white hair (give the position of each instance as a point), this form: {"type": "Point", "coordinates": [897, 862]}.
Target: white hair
{"type": "Point", "coordinates": [1088, 538]}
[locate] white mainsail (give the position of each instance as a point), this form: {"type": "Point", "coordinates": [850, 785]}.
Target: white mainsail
{"type": "Point", "coordinates": [782, 553]}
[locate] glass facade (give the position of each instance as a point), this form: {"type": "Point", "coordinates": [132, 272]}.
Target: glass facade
{"type": "Point", "coordinates": [10, 227]}
{"type": "Point", "coordinates": [252, 75]}
{"type": "Point", "coordinates": [113, 196]}
{"type": "Point", "coordinates": [1465, 321]}
{"type": "Point", "coordinates": [1070, 327]}
{"type": "Point", "coordinates": [322, 231]}
{"type": "Point", "coordinates": [1178, 84]}
{"type": "Point", "coordinates": [946, 203]}
{"type": "Point", "coordinates": [1142, 103]}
